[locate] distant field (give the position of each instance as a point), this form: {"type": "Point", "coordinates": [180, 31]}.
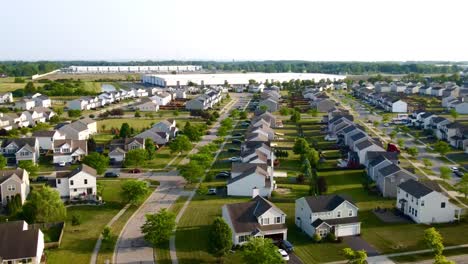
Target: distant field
{"type": "Point", "coordinates": [93, 77]}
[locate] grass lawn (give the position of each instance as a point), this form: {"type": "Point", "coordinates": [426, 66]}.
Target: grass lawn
{"type": "Point", "coordinates": [426, 256]}
{"type": "Point", "coordinates": [78, 241]}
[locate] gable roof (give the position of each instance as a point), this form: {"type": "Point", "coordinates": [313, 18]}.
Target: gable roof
{"type": "Point", "coordinates": [6, 174]}
{"type": "Point", "coordinates": [248, 172]}
{"type": "Point", "coordinates": [419, 189]}
{"type": "Point", "coordinates": [358, 136]}
{"type": "Point", "coordinates": [392, 156]}
{"type": "Point", "coordinates": [44, 133]}
{"type": "Point", "coordinates": [364, 144]}
{"type": "Point", "coordinates": [390, 169]}
{"type": "Point", "coordinates": [326, 203]}
{"type": "Point", "coordinates": [16, 243]}
{"type": "Point", "coordinates": [82, 167]}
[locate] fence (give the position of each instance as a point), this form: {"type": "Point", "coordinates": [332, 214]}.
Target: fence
{"type": "Point", "coordinates": [46, 226]}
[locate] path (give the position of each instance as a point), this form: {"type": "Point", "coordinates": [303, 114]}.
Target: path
{"type": "Point", "coordinates": [207, 138]}
{"type": "Point", "coordinates": [131, 246]}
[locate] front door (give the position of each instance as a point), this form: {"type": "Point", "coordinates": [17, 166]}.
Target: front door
{"type": "Point", "coordinates": [89, 191]}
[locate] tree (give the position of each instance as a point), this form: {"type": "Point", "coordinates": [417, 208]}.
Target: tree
{"type": "Point", "coordinates": [137, 113]}
{"type": "Point", "coordinates": [29, 166]}
{"type": "Point", "coordinates": [313, 183]}
{"type": "Point", "coordinates": [412, 151]}
{"type": "Point", "coordinates": [58, 111]}
{"type": "Point", "coordinates": [295, 117]}
{"type": "Point", "coordinates": [454, 114]}
{"type": "Point", "coordinates": [193, 132]}
{"type": "Point", "coordinates": [158, 227]}
{"type": "Point", "coordinates": [441, 147]}
{"type": "Point", "coordinates": [125, 130]}
{"type": "Point", "coordinates": [135, 157]}
{"type": "Point", "coordinates": [317, 238]}
{"type": "Point", "coordinates": [222, 131]}
{"type": "Point", "coordinates": [284, 111]}
{"type": "Point", "coordinates": [322, 186]}
{"type": "Point", "coordinates": [14, 205]}
{"type": "Point", "coordinates": [314, 157]}
{"type": "Point", "coordinates": [192, 171]}
{"type": "Point", "coordinates": [440, 259]}
{"type": "Point", "coordinates": [3, 162]}
{"type": "Point", "coordinates": [106, 234]}
{"type": "Point", "coordinates": [43, 206]}
{"type": "Point", "coordinates": [462, 186]}
{"type": "Point", "coordinates": [74, 113]}
{"type": "Point", "coordinates": [150, 148]}
{"type": "Point", "coordinates": [445, 173]}
{"type": "Point", "coordinates": [180, 143]}
{"type": "Point", "coordinates": [30, 88]}
{"type": "Point", "coordinates": [393, 134]}
{"type": "Point", "coordinates": [133, 191]}
{"type": "Point", "coordinates": [357, 257]}
{"type": "Point", "coordinates": [220, 237]}
{"type": "Point", "coordinates": [243, 115]}
{"type": "Point", "coordinates": [97, 161]}
{"type": "Point", "coordinates": [313, 112]}
{"type": "Point", "coordinates": [434, 241]}
{"type": "Point", "coordinates": [301, 146]}
{"type": "Point", "coordinates": [401, 143]}
{"type": "Point", "coordinates": [427, 162]}
{"type": "Point", "coordinates": [259, 250]}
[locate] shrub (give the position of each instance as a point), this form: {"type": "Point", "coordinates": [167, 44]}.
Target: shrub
{"type": "Point", "coordinates": [331, 237]}
{"type": "Point", "coordinates": [300, 178]}
{"type": "Point", "coordinates": [76, 220]}
{"type": "Point", "coordinates": [203, 190]}
{"type": "Point", "coordinates": [317, 238]}
{"type": "Point", "coordinates": [92, 116]}
{"type": "Point", "coordinates": [209, 177]}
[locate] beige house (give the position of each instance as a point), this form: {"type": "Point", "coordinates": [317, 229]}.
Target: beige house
{"type": "Point", "coordinates": [13, 182]}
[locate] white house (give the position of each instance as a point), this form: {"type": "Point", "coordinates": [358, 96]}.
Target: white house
{"type": "Point", "coordinates": [46, 138]}
{"type": "Point", "coordinates": [162, 98]}
{"type": "Point", "coordinates": [461, 108]}
{"type": "Point", "coordinates": [424, 204]}
{"type": "Point", "coordinates": [326, 214]}
{"type": "Point", "coordinates": [255, 218]}
{"type": "Point", "coordinates": [363, 147]}
{"type": "Point", "coordinates": [69, 150]}
{"type": "Point", "coordinates": [146, 106]}
{"type": "Point", "coordinates": [21, 243]}
{"type": "Point", "coordinates": [25, 104]}
{"type": "Point", "coordinates": [167, 126]}
{"type": "Point", "coordinates": [12, 183]}
{"type": "Point", "coordinates": [399, 106]}
{"type": "Point", "coordinates": [79, 184]}
{"type": "Point", "coordinates": [246, 176]}
{"type": "Point", "coordinates": [6, 98]}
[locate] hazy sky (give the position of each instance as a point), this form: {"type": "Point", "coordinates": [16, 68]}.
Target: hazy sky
{"type": "Point", "coordinates": [234, 30]}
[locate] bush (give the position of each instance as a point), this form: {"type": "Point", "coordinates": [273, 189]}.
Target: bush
{"type": "Point", "coordinates": [317, 238]}
{"type": "Point", "coordinates": [76, 220]}
{"type": "Point", "coordinates": [300, 178]}
{"type": "Point", "coordinates": [331, 237]}
{"type": "Point", "coordinates": [203, 190]}
{"type": "Point", "coordinates": [209, 177]}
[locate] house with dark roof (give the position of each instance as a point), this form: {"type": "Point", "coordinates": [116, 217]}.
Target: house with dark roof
{"type": "Point", "coordinates": [425, 204]}
{"type": "Point", "coordinates": [376, 164]}
{"type": "Point", "coordinates": [46, 138]}
{"type": "Point", "coordinates": [12, 183]}
{"type": "Point", "coordinates": [69, 150]}
{"type": "Point", "coordinates": [372, 155]}
{"type": "Point", "coordinates": [20, 243]}
{"type": "Point", "coordinates": [389, 177]}
{"type": "Point", "coordinates": [78, 184]}
{"type": "Point", "coordinates": [255, 218]}
{"type": "Point", "coordinates": [245, 177]}
{"type": "Point", "coordinates": [168, 126]}
{"type": "Point", "coordinates": [18, 149]}
{"type": "Point", "coordinates": [326, 214]}
{"type": "Point", "coordinates": [363, 147]}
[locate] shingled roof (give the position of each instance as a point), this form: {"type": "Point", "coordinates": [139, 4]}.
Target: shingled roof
{"type": "Point", "coordinates": [419, 189]}
{"type": "Point", "coordinates": [325, 203]}
{"type": "Point", "coordinates": [17, 242]}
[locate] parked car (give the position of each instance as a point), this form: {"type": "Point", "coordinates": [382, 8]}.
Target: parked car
{"type": "Point", "coordinates": [236, 141]}
{"type": "Point", "coordinates": [459, 174]}
{"type": "Point", "coordinates": [212, 191]}
{"type": "Point", "coordinates": [111, 174]}
{"type": "Point", "coordinates": [386, 125]}
{"type": "Point", "coordinates": [222, 175]}
{"type": "Point", "coordinates": [454, 169]}
{"type": "Point", "coordinates": [284, 254]}
{"type": "Point", "coordinates": [134, 171]}
{"type": "Point", "coordinates": [41, 179]}
{"type": "Point", "coordinates": [286, 245]}
{"type": "Point", "coordinates": [235, 159]}
{"type": "Point", "coordinates": [232, 150]}
{"type": "Point", "coordinates": [62, 164]}
{"type": "Point", "coordinates": [237, 134]}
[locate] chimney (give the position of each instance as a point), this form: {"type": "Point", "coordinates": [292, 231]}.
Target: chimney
{"type": "Point", "coordinates": [255, 192]}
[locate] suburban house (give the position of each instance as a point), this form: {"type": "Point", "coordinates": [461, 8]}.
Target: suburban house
{"type": "Point", "coordinates": [268, 118]}
{"type": "Point", "coordinates": [79, 184]}
{"type": "Point", "coordinates": [270, 104]}
{"type": "Point", "coordinates": [424, 203]}
{"type": "Point", "coordinates": [79, 130]}
{"type": "Point", "coordinates": [18, 149]}
{"type": "Point", "coordinates": [46, 138]}
{"type": "Point", "coordinates": [461, 107]}
{"type": "Point", "coordinates": [256, 88]}
{"type": "Point", "coordinates": [41, 100]}
{"type": "Point", "coordinates": [159, 138]}
{"type": "Point", "coordinates": [363, 147]}
{"type": "Point", "coordinates": [146, 105]}
{"type": "Point", "coordinates": [389, 177]}
{"type": "Point", "coordinates": [326, 214]}
{"type": "Point", "coordinates": [247, 176]}
{"type": "Point", "coordinates": [255, 218]}
{"type": "Point", "coordinates": [322, 105]}
{"type": "Point", "coordinates": [69, 150]}
{"type": "Point", "coordinates": [376, 164]}
{"type": "Point", "coordinates": [117, 155]}
{"type": "Point", "coordinates": [127, 144]}
{"type": "Point", "coordinates": [167, 126]}
{"type": "Point", "coordinates": [257, 137]}
{"type": "Point", "coordinates": [396, 106]}
{"type": "Point", "coordinates": [6, 98]}
{"type": "Point", "coordinates": [162, 98]}
{"type": "Point", "coordinates": [20, 243]}
{"type": "Point", "coordinates": [13, 182]}
{"type": "Point", "coordinates": [25, 104]}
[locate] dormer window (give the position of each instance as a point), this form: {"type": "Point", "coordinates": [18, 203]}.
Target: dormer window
{"type": "Point", "coordinates": [278, 220]}
{"type": "Point", "coordinates": [350, 213]}
{"type": "Point", "coordinates": [338, 214]}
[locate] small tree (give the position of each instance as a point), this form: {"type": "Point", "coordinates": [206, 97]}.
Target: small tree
{"type": "Point", "coordinates": [284, 111]}
{"type": "Point", "coordinates": [445, 173]}
{"type": "Point", "coordinates": [317, 238]}
{"type": "Point", "coordinates": [220, 237]}
{"type": "Point", "coordinates": [314, 157]}
{"type": "Point", "coordinates": [14, 205]}
{"type": "Point", "coordinates": [44, 205]}
{"type": "Point", "coordinates": [180, 143]}
{"type": "Point", "coordinates": [192, 171]}
{"type": "Point", "coordinates": [412, 151]}
{"type": "Point", "coordinates": [295, 116]}
{"type": "Point", "coordinates": [434, 241]}
{"type": "Point", "coordinates": [134, 191]}
{"type": "Point", "coordinates": [322, 186]}
{"type": "Point", "coordinates": [462, 186]}
{"type": "Point", "coordinates": [454, 114]}
{"type": "Point", "coordinates": [106, 234]}
{"type": "Point", "coordinates": [3, 162]}
{"type": "Point", "coordinates": [259, 250]}
{"type": "Point", "coordinates": [301, 146]}
{"type": "Point", "coordinates": [441, 147]}
{"type": "Point", "coordinates": [150, 148]}
{"type": "Point", "coordinates": [137, 113]}
{"type": "Point", "coordinates": [29, 166]}
{"type": "Point", "coordinates": [401, 143]}
{"type": "Point", "coordinates": [125, 131]}
{"type": "Point", "coordinates": [427, 162]}
{"type": "Point", "coordinates": [97, 161]}
{"type": "Point", "coordinates": [158, 227]}
{"type": "Point", "coordinates": [393, 134]}
{"type": "Point", "coordinates": [135, 157]}
{"type": "Point", "coordinates": [358, 257]}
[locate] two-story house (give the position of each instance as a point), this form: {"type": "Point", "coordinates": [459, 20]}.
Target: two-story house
{"type": "Point", "coordinates": [168, 126]}
{"type": "Point", "coordinates": [255, 218]}
{"type": "Point", "coordinates": [247, 176]}
{"type": "Point", "coordinates": [389, 177]}
{"type": "Point", "coordinates": [424, 203]}
{"type": "Point", "coordinates": [162, 98]}
{"type": "Point", "coordinates": [18, 149]}
{"type": "Point", "coordinates": [326, 214]}
{"type": "Point", "coordinates": [6, 98]}
{"type": "Point", "coordinates": [46, 138]}
{"type": "Point", "coordinates": [69, 150]}
{"type": "Point", "coordinates": [79, 184]}
{"type": "Point", "coordinates": [13, 182]}
{"type": "Point", "coordinates": [20, 243]}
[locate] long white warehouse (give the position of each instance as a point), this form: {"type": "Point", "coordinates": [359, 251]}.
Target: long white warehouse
{"type": "Point", "coordinates": [177, 80]}
{"type": "Point", "coordinates": [140, 69]}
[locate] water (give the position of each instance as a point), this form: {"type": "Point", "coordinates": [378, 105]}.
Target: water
{"type": "Point", "coordinates": [105, 87]}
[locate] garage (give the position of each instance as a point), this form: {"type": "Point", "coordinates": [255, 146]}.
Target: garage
{"type": "Point", "coordinates": [275, 237]}
{"type": "Point", "coordinates": [347, 230]}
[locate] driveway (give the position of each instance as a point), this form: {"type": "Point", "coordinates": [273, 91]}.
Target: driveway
{"type": "Point", "coordinates": [358, 243]}
{"type": "Point", "coordinates": [131, 246]}
{"type": "Point", "coordinates": [293, 259]}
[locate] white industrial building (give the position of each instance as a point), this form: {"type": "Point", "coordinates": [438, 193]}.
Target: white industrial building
{"type": "Point", "coordinates": [130, 69]}
{"type": "Point", "coordinates": [177, 80]}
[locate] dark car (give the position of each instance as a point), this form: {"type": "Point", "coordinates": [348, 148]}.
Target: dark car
{"type": "Point", "coordinates": [111, 174]}
{"type": "Point", "coordinates": [286, 245]}
{"type": "Point", "coordinates": [236, 141]}
{"type": "Point", "coordinates": [459, 173]}
{"type": "Point", "coordinates": [134, 171]}
{"type": "Point", "coordinates": [237, 134]}
{"type": "Point", "coordinates": [41, 179]}
{"type": "Point", "coordinates": [232, 150]}
{"type": "Point", "coordinates": [223, 175]}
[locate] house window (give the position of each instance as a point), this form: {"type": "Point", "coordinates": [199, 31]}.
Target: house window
{"type": "Point", "coordinates": [415, 212]}
{"type": "Point", "coordinates": [406, 195]}
{"type": "Point", "coordinates": [422, 203]}
{"type": "Point", "coordinates": [265, 221]}
{"type": "Point", "coordinates": [86, 181]}
{"type": "Point", "coordinates": [59, 181]}
{"type": "Point", "coordinates": [350, 212]}
{"type": "Point", "coordinates": [71, 182]}
{"type": "Point", "coordinates": [74, 190]}
{"type": "Point", "coordinates": [278, 220]}
{"type": "Point", "coordinates": [338, 214]}
{"type": "Point", "coordinates": [244, 238]}
{"type": "Point", "coordinates": [442, 205]}
{"type": "Point", "coordinates": [11, 188]}
{"type": "Point", "coordinates": [323, 232]}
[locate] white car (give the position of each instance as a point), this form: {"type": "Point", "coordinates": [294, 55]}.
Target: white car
{"type": "Point", "coordinates": [330, 138]}
{"type": "Point", "coordinates": [234, 159]}
{"type": "Point", "coordinates": [284, 254]}
{"type": "Point", "coordinates": [62, 164]}
{"type": "Point", "coordinates": [386, 125]}
{"type": "Point", "coordinates": [454, 169]}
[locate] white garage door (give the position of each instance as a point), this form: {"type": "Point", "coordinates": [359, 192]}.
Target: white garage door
{"type": "Point", "coordinates": [347, 230]}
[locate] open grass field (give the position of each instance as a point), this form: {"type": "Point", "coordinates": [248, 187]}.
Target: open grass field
{"type": "Point", "coordinates": [94, 77]}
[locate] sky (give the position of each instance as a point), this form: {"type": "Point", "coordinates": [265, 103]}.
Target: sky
{"type": "Point", "coordinates": [316, 30]}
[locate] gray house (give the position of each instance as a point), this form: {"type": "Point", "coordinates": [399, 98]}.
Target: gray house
{"type": "Point", "coordinates": [389, 177]}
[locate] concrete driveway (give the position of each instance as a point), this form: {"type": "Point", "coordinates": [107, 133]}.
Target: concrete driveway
{"type": "Point", "coordinates": [358, 243]}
